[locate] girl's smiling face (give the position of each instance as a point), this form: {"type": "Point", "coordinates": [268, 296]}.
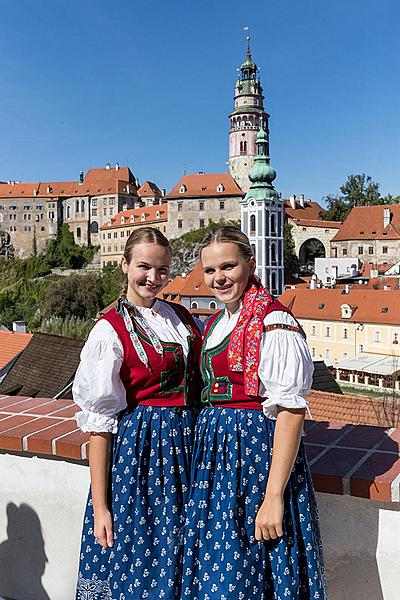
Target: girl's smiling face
{"type": "Point", "coordinates": [226, 272]}
{"type": "Point", "coordinates": [147, 272]}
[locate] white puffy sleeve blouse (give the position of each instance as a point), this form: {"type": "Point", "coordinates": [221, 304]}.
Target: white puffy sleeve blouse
{"type": "Point", "coordinates": [286, 367]}
{"type": "Point", "coordinates": [97, 388]}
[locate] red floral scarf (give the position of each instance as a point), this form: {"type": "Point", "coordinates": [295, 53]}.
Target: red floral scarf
{"type": "Point", "coordinates": [244, 345]}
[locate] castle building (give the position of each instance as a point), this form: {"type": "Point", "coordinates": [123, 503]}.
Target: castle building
{"type": "Point", "coordinates": [244, 121]}
{"type": "Point", "coordinates": [115, 233]}
{"type": "Point", "coordinates": [262, 218]}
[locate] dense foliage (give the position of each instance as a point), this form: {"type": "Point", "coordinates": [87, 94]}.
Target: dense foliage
{"type": "Point", "coordinates": [292, 262]}
{"type": "Point", "coordinates": [185, 248]}
{"type": "Point", "coordinates": [358, 190]}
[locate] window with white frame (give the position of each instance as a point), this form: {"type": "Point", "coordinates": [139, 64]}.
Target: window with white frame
{"type": "Point", "coordinates": [377, 336]}
{"type": "Point", "coordinates": [212, 305]}
{"type": "Point", "coordinates": [328, 331]}
{"type": "Point", "coordinates": [182, 189]}
{"type": "Point", "coordinates": [314, 330]}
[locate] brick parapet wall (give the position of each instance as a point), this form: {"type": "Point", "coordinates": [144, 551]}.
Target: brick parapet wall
{"type": "Point", "coordinates": [346, 459]}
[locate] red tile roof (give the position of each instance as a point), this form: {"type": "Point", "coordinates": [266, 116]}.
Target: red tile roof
{"type": "Point", "coordinates": [190, 285]}
{"type": "Point", "coordinates": [348, 408]}
{"type": "Point", "coordinates": [311, 210]}
{"type": "Point", "coordinates": [148, 188]}
{"type": "Point", "coordinates": [370, 306]}
{"type": "Point", "coordinates": [205, 185]}
{"type": "Point", "coordinates": [11, 344]}
{"type": "Point", "coordinates": [318, 223]}
{"type": "Point", "coordinates": [96, 181]}
{"type": "Point", "coordinates": [366, 223]}
{"type": "Point", "coordinates": [150, 213]}
{"type": "Point", "coordinates": [367, 267]}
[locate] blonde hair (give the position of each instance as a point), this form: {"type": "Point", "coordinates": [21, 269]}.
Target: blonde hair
{"type": "Point", "coordinates": [230, 235]}
{"type": "Point", "coordinates": [142, 235]}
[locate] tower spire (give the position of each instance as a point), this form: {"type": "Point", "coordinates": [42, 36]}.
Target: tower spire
{"type": "Point", "coordinates": [244, 120]}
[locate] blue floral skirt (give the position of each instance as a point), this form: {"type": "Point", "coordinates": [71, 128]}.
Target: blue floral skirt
{"type": "Point", "coordinates": [222, 560]}
{"type": "Point", "coordinates": [149, 486]}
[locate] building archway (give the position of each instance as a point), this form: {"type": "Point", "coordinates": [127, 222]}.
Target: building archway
{"type": "Point", "coordinates": [309, 251]}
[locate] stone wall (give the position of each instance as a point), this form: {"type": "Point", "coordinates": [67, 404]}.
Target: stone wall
{"type": "Point", "coordinates": [193, 213]}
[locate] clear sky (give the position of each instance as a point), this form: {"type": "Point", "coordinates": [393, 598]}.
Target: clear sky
{"type": "Point", "coordinates": [150, 84]}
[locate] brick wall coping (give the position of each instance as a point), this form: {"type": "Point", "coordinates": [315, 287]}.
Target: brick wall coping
{"type": "Point", "coordinates": [345, 459]}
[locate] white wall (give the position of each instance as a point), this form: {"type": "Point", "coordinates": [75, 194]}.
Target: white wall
{"type": "Point", "coordinates": [361, 540]}
{"type": "Point", "coordinates": [55, 494]}
{"type": "Point", "coordinates": [361, 537]}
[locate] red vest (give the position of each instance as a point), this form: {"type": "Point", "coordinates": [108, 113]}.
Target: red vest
{"type": "Point", "coordinates": [166, 381]}
{"type": "Point", "coordinates": [224, 387]}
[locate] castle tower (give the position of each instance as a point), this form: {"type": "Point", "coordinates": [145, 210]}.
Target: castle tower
{"type": "Point", "coordinates": [244, 121]}
{"type": "Point", "coordinates": [262, 218]}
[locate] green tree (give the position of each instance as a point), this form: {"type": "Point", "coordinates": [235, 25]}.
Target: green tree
{"type": "Point", "coordinates": [62, 251]}
{"type": "Point", "coordinates": [291, 260]}
{"type": "Point", "coordinates": [185, 248]}
{"type": "Point", "coordinates": [358, 190]}
{"type": "Point", "coordinates": [77, 295]}
{"type": "Point", "coordinates": [70, 326]}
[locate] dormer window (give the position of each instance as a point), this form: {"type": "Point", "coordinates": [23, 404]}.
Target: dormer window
{"type": "Point", "coordinates": [158, 214]}
{"type": "Point", "coordinates": [182, 189]}
{"type": "Point", "coordinates": [347, 311]}
{"type": "Point", "coordinates": [142, 217]}
{"type": "Point", "coordinates": [122, 220]}
{"type": "Point", "coordinates": [132, 218]}
{"type": "Point", "coordinates": [220, 188]}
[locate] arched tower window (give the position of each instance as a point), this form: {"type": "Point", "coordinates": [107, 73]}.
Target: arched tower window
{"type": "Point", "coordinates": [77, 206]}
{"type": "Point", "coordinates": [212, 305]}
{"type": "Point", "coordinates": [253, 249]}
{"type": "Point", "coordinates": [273, 224]}
{"type": "Point", "coordinates": [68, 212]}
{"type": "Point", "coordinates": [252, 223]}
{"type": "Point", "coordinates": [273, 283]}
{"type": "Point", "coordinates": [273, 254]}
{"type": "Point", "coordinates": [94, 227]}
{"type": "Point", "coordinates": [78, 232]}
{"type": "Point", "coordinates": [194, 305]}
{"type": "Point", "coordinates": [82, 206]}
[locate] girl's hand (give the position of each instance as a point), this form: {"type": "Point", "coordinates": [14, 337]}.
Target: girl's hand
{"type": "Point", "coordinates": [103, 530]}
{"type": "Point", "coordinates": [269, 519]}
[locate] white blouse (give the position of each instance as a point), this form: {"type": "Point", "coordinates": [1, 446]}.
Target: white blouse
{"type": "Point", "coordinates": [98, 389]}
{"type": "Point", "coordinates": [286, 367]}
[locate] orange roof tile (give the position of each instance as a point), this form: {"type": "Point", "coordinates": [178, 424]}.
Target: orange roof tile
{"type": "Point", "coordinates": [348, 408]}
{"type": "Point", "coordinates": [318, 223]}
{"type": "Point", "coordinates": [150, 213]}
{"type": "Point", "coordinates": [311, 210]}
{"type": "Point", "coordinates": [148, 188]}
{"type": "Point", "coordinates": [96, 182]}
{"type": "Point", "coordinates": [190, 285]}
{"type": "Point", "coordinates": [12, 344]}
{"type": "Point", "coordinates": [366, 223]}
{"type": "Point", "coordinates": [370, 306]}
{"type": "Point", "coordinates": [205, 185]}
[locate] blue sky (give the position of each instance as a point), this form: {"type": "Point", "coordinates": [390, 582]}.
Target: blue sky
{"type": "Point", "coordinates": [150, 84]}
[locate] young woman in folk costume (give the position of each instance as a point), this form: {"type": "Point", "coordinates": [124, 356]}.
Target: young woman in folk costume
{"type": "Point", "coordinates": [252, 526]}
{"type": "Point", "coordinates": [136, 385]}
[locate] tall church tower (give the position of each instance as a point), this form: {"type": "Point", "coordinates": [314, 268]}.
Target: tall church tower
{"type": "Point", "coordinates": [262, 219]}
{"type": "Point", "coordinates": [245, 120]}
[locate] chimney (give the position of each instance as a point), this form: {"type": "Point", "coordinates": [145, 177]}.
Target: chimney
{"type": "Point", "coordinates": [48, 189]}
{"type": "Point", "coordinates": [292, 200]}
{"type": "Point", "coordinates": [81, 177]}
{"type": "Point", "coordinates": [302, 200]}
{"type": "Point", "coordinates": [387, 216]}
{"type": "Point", "coordinates": [35, 191]}
{"type": "Point", "coordinates": [117, 166]}
{"type": "Point", "coordinates": [19, 327]}
{"type": "Point", "coordinates": [346, 288]}
{"type": "Point", "coordinates": [313, 282]}
{"type": "Point", "coordinates": [163, 192]}
{"type": "Point", "coordinates": [108, 167]}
